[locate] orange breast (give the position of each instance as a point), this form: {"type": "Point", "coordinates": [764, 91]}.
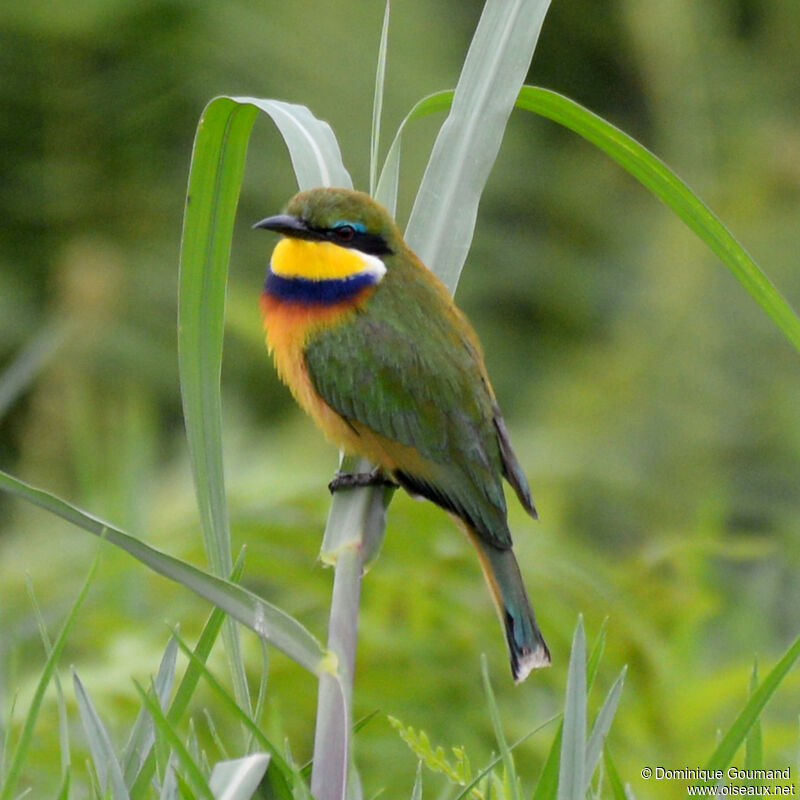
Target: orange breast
{"type": "Point", "coordinates": [288, 327]}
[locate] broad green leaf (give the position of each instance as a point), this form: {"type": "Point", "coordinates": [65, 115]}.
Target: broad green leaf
{"type": "Point", "coordinates": [736, 734]}
{"type": "Point", "coordinates": [386, 191]}
{"type": "Point", "coordinates": [647, 168]}
{"type": "Point", "coordinates": [571, 772]}
{"type": "Point", "coordinates": [313, 149]}
{"type": "Point", "coordinates": [502, 745]}
{"type": "Point", "coordinates": [443, 218]}
{"type": "Point", "coordinates": [602, 724]}
{"type": "Point", "coordinates": [106, 765]}
{"type": "Point", "coordinates": [317, 162]}
{"type": "Point", "coordinates": [191, 771]}
{"type": "Point", "coordinates": [377, 103]}
{"type": "Point", "coordinates": [215, 176]}
{"type": "Point", "coordinates": [11, 776]}
{"type": "Point", "coordinates": [666, 185]}
{"type": "Point", "coordinates": [214, 179]}
{"type": "Point", "coordinates": [238, 779]}
{"type": "Point", "coordinates": [214, 182]}
{"type": "Point", "coordinates": [268, 621]}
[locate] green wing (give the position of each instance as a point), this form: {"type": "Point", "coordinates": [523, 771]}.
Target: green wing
{"type": "Point", "coordinates": [410, 370]}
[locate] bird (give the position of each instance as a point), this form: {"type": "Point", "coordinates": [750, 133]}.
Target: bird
{"type": "Point", "coordinates": [374, 349]}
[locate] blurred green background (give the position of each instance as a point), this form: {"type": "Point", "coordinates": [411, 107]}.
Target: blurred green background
{"type": "Point", "coordinates": [653, 405]}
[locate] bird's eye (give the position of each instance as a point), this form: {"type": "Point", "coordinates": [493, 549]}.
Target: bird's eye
{"type": "Point", "coordinates": [344, 233]}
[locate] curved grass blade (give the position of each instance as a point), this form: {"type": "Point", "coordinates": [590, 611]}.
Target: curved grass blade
{"type": "Point", "coordinates": [443, 218]}
{"type": "Point", "coordinates": [169, 786]}
{"type": "Point", "coordinates": [547, 785]}
{"type": "Point", "coordinates": [416, 791]}
{"type": "Point", "coordinates": [571, 772]}
{"type": "Point", "coordinates": [63, 792]}
{"type": "Point", "coordinates": [496, 760]}
{"type": "Point", "coordinates": [106, 765]}
{"type": "Point", "coordinates": [229, 702]}
{"type": "Point", "coordinates": [63, 720]}
{"type": "Point", "coordinates": [29, 362]}
{"type": "Point", "coordinates": [377, 103]}
{"type": "Point", "coordinates": [736, 734]}
{"type": "Point", "coordinates": [602, 724]}
{"type": "Point", "coordinates": [595, 655]}
{"type": "Point", "coordinates": [238, 779]}
{"type": "Point", "coordinates": [11, 776]}
{"type": "Point", "coordinates": [192, 774]}
{"type": "Point", "coordinates": [494, 714]}
{"type": "Point", "coordinates": [313, 149]}
{"type": "Point", "coordinates": [665, 184]}
{"type": "Point", "coordinates": [217, 167]}
{"type": "Point", "coordinates": [142, 735]}
{"type": "Point", "coordinates": [268, 621]}
{"type": "Point", "coordinates": [386, 190]}
{"type": "Point", "coordinates": [614, 781]}
{"type": "Point", "coordinates": [215, 177]}
{"type": "Point", "coordinates": [647, 168]}
{"type": "Point", "coordinates": [754, 746]}
{"type": "Point", "coordinates": [261, 696]}
{"type": "Point", "coordinates": [188, 683]}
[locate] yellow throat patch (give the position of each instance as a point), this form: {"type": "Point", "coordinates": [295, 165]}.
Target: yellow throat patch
{"type": "Point", "coordinates": [320, 261]}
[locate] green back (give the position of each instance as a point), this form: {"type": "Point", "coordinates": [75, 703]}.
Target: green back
{"type": "Point", "coordinates": [409, 368]}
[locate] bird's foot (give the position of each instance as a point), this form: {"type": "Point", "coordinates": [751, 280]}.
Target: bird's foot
{"type": "Point", "coordinates": [351, 480]}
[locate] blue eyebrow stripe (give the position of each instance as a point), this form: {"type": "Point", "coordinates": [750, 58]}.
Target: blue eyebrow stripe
{"type": "Point", "coordinates": [358, 226]}
{"type": "Point", "coordinates": [321, 293]}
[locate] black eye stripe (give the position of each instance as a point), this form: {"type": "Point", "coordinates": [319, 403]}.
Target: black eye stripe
{"type": "Point", "coordinates": [371, 243]}
{"type": "Point", "coordinates": [344, 233]}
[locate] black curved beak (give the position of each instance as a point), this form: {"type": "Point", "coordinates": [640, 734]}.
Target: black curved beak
{"type": "Point", "coordinates": [288, 226]}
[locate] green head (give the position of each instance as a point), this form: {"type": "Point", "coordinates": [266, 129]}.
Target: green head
{"type": "Point", "coordinates": [341, 216]}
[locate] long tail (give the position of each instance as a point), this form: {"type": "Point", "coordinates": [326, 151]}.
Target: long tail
{"type": "Point", "coordinates": [526, 646]}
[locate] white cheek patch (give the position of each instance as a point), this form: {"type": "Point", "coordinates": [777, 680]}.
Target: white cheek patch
{"type": "Point", "coordinates": [372, 266]}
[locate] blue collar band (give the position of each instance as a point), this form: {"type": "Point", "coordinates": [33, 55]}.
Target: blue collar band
{"type": "Point", "coordinates": [316, 292]}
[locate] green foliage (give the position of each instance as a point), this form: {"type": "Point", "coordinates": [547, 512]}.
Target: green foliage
{"type": "Point", "coordinates": [573, 760]}
{"type": "Point", "coordinates": [747, 718]}
{"type": "Point", "coordinates": [458, 771]}
{"type": "Point", "coordinates": [11, 773]}
{"type": "Point", "coordinates": [654, 411]}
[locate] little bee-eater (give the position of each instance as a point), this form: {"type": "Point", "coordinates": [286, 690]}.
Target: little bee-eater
{"type": "Point", "coordinates": [373, 348]}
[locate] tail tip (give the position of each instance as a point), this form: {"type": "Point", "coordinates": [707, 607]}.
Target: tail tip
{"type": "Point", "coordinates": [527, 659]}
